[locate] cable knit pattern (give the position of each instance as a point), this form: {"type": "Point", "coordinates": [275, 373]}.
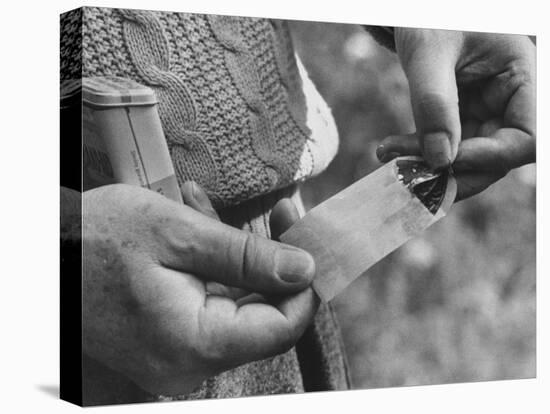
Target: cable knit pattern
{"type": "Point", "coordinates": [230, 97]}
{"type": "Point", "coordinates": [149, 50]}
{"type": "Point", "coordinates": [245, 76]}
{"type": "Point", "coordinates": [287, 66]}
{"type": "Point", "coordinates": [288, 71]}
{"type": "Point", "coordinates": [71, 45]}
{"type": "Point", "coordinates": [276, 88]}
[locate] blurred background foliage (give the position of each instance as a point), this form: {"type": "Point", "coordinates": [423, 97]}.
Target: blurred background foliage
{"type": "Point", "coordinates": [457, 304]}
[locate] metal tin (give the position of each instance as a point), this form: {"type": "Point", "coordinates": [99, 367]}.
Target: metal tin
{"type": "Point", "coordinates": [123, 141]}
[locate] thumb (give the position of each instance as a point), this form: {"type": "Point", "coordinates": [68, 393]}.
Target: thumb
{"type": "Point", "coordinates": [429, 58]}
{"type": "Point", "coordinates": [217, 252]}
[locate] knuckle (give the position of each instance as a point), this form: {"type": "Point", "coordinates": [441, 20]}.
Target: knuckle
{"type": "Point", "coordinates": [251, 259]}
{"type": "Point", "coordinates": [210, 345]}
{"type": "Point", "coordinates": [177, 235]}
{"type": "Point", "coordinates": [517, 75]}
{"type": "Point", "coordinates": [184, 247]}
{"type": "Point", "coordinates": [236, 254]}
{"type": "Point", "coordinates": [431, 101]}
{"type": "Point", "coordinates": [409, 42]}
{"type": "Point", "coordinates": [211, 350]}
{"type": "Point", "coordinates": [248, 256]}
{"type": "Point", "coordinates": [218, 353]}
{"type": "Point", "coordinates": [503, 163]}
{"type": "Point", "coordinates": [435, 113]}
{"type": "Point", "coordinates": [520, 73]}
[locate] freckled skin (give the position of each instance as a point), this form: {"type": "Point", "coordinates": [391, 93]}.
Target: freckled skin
{"type": "Point", "coordinates": [129, 244]}
{"type": "Point", "coordinates": [113, 322]}
{"type": "Point", "coordinates": [145, 310]}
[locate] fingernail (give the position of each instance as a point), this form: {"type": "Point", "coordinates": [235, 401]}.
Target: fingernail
{"type": "Point", "coordinates": [199, 194]}
{"type": "Point", "coordinates": [293, 265]}
{"type": "Point", "coordinates": [194, 189]}
{"type": "Point", "coordinates": [437, 150]}
{"type": "Point", "coordinates": [187, 189]}
{"type": "Point", "coordinates": [380, 152]}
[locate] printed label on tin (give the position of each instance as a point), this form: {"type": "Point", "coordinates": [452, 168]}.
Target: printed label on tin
{"type": "Point", "coordinates": [126, 144]}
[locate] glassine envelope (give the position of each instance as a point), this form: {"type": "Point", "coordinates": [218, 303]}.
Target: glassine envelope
{"type": "Point", "coordinates": [354, 229]}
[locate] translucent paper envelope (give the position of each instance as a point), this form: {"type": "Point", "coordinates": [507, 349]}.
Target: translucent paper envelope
{"type": "Point", "coordinates": [359, 226]}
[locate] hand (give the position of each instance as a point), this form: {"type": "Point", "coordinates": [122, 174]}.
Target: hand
{"type": "Point", "coordinates": [473, 100]}
{"type": "Point", "coordinates": [147, 312]}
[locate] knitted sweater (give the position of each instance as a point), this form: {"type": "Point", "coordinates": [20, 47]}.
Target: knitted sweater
{"type": "Point", "coordinates": [243, 120]}
{"type": "Point", "coordinates": [231, 98]}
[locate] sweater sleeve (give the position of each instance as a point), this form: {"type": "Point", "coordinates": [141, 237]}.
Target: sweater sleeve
{"type": "Point", "coordinates": [71, 216]}
{"type": "Point", "coordinates": [383, 35]}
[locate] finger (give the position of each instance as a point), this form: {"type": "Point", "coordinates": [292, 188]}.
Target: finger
{"type": "Point", "coordinates": [481, 161]}
{"type": "Point", "coordinates": [401, 145]}
{"type": "Point", "coordinates": [489, 127]}
{"type": "Point", "coordinates": [429, 65]}
{"type": "Point", "coordinates": [215, 288]}
{"type": "Point", "coordinates": [282, 217]}
{"type": "Point", "coordinates": [521, 111]}
{"type": "Point", "coordinates": [470, 128]}
{"type": "Point", "coordinates": [474, 170]}
{"type": "Point", "coordinates": [251, 298]}
{"type": "Point", "coordinates": [505, 149]}
{"type": "Point", "coordinates": [512, 93]}
{"type": "Point", "coordinates": [215, 251]}
{"type": "Point", "coordinates": [398, 145]}
{"type": "Point", "coordinates": [195, 197]}
{"type": "Point", "coordinates": [472, 183]}
{"type": "Point", "coordinates": [255, 330]}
